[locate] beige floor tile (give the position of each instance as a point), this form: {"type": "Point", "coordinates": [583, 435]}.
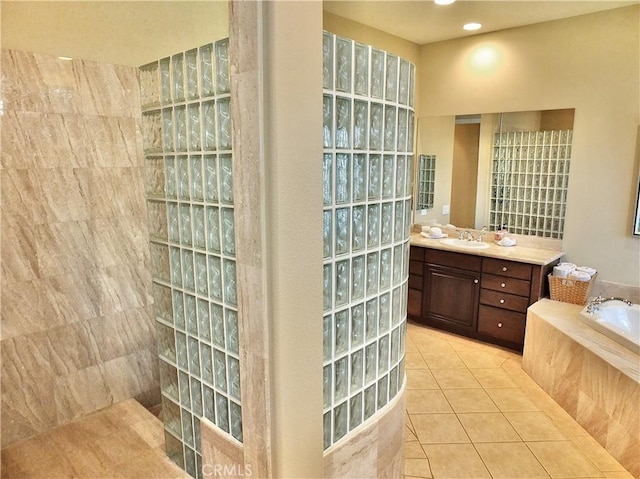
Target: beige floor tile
{"type": "Point", "coordinates": [409, 433]}
{"type": "Point", "coordinates": [417, 468]}
{"type": "Point", "coordinates": [455, 378]}
{"type": "Point", "coordinates": [597, 454]}
{"type": "Point", "coordinates": [455, 461]}
{"type": "Point", "coordinates": [493, 378]}
{"type": "Point", "coordinates": [480, 359]}
{"type": "Point", "coordinates": [414, 361]}
{"type": "Point", "coordinates": [618, 474]}
{"type": "Point", "coordinates": [421, 379]}
{"type": "Point", "coordinates": [426, 401]}
{"type": "Point", "coordinates": [413, 450]}
{"type": "Point", "coordinates": [563, 459]}
{"type": "Point", "coordinates": [439, 429]}
{"type": "Point", "coordinates": [442, 360]}
{"type": "Point", "coordinates": [511, 399]}
{"type": "Point", "coordinates": [469, 400]}
{"type": "Point", "coordinates": [488, 427]}
{"type": "Point", "coordinates": [510, 460]}
{"type": "Point", "coordinates": [534, 426]}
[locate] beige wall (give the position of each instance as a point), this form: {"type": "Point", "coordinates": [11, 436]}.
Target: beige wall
{"type": "Point", "coordinates": [590, 63]}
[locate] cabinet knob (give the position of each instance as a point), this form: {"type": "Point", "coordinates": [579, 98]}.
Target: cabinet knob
{"type": "Point", "coordinates": [503, 285]}
{"type": "Point", "coordinates": [475, 281]}
{"type": "Point", "coordinates": [502, 301]}
{"type": "Point", "coordinates": [504, 268]}
{"type": "Point", "coordinates": [499, 325]}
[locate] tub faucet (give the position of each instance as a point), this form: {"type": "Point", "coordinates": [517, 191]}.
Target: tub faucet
{"type": "Point", "coordinates": [594, 304]}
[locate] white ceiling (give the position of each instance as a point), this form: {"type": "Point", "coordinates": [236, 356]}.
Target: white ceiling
{"type": "Point", "coordinates": [422, 21]}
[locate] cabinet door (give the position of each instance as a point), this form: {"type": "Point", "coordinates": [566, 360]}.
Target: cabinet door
{"type": "Point", "coordinates": [450, 298]}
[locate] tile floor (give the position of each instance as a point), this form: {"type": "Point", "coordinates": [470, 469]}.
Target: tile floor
{"type": "Point", "coordinates": [473, 413]}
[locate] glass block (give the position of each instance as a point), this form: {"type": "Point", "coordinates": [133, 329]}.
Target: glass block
{"type": "Point", "coordinates": [377, 73]}
{"type": "Point", "coordinates": [183, 384]}
{"type": "Point", "coordinates": [386, 224]}
{"type": "Point", "coordinates": [327, 121]}
{"type": "Point", "coordinates": [190, 461]}
{"type": "Point", "coordinates": [171, 416]}
{"type": "Point", "coordinates": [217, 325]}
{"type": "Point", "coordinates": [361, 125]}
{"type": "Point", "coordinates": [343, 64]}
{"type": "Point", "coordinates": [371, 326]}
{"type": "Point", "coordinates": [194, 356]}
{"type": "Point", "coordinates": [387, 176]}
{"type": "Point", "coordinates": [208, 400]}
{"type": "Point", "coordinates": [168, 379]}
{"type": "Point", "coordinates": [372, 273]}
{"type": "Point", "coordinates": [375, 181]}
{"type": "Point", "coordinates": [359, 176]}
{"type": "Point", "coordinates": [384, 318]}
{"type": "Point", "coordinates": [196, 398]}
{"type": "Point", "coordinates": [222, 412]}
{"type": "Point", "coordinates": [327, 234]}
{"type": "Point", "coordinates": [226, 179]}
{"type": "Point", "coordinates": [327, 182]}
{"type": "Point", "coordinates": [182, 355]}
{"type": "Point", "coordinates": [190, 313]}
{"type": "Point", "coordinates": [235, 420]}
{"type": "Point", "coordinates": [398, 254]}
{"type": "Point", "coordinates": [224, 124]}
{"type": "Point", "coordinates": [199, 227]}
{"type": "Point", "coordinates": [206, 363]}
{"type": "Point", "coordinates": [327, 338]}
{"type": "Point", "coordinates": [343, 123]}
{"type": "Point", "coordinates": [197, 192]}
{"type": "Point", "coordinates": [220, 370]}
{"type": "Point", "coordinates": [191, 64]}
{"type": "Point", "coordinates": [177, 70]}
{"type": "Point", "coordinates": [369, 401]}
{"type": "Point", "coordinates": [398, 222]}
{"type": "Point", "coordinates": [385, 269]}
{"type": "Point", "coordinates": [382, 391]}
{"type": "Point", "coordinates": [357, 325]}
{"type": "Point", "coordinates": [342, 281]}
{"type": "Point", "coordinates": [152, 132]}
{"type": "Point", "coordinates": [213, 229]}
{"type": "Point", "coordinates": [222, 66]}
{"type": "Point", "coordinates": [215, 277]}
{"type": "Point", "coordinates": [403, 82]}
{"type": "Point", "coordinates": [375, 126]}
{"type": "Point", "coordinates": [204, 325]}
{"type": "Point", "coordinates": [393, 382]}
{"type": "Point", "coordinates": [154, 180]}
{"type": "Point", "coordinates": [173, 448]}
{"type": "Point", "coordinates": [342, 332]}
{"type": "Point", "coordinates": [361, 70]}
{"type": "Point", "coordinates": [193, 112]}
{"type": "Point", "coordinates": [183, 183]}
{"type": "Point", "coordinates": [355, 411]}
{"type": "Point", "coordinates": [326, 429]}
{"type": "Point", "coordinates": [231, 328]}
{"type": "Point", "coordinates": [402, 129]}
{"type": "Point", "coordinates": [343, 178]}
{"type": "Point", "coordinates": [178, 309]}
{"type": "Point", "coordinates": [340, 383]}
{"type": "Point", "coordinates": [412, 75]}
{"type": "Point", "coordinates": [395, 345]}
{"type": "Point", "coordinates": [370, 362]}
{"type": "Point", "coordinates": [180, 121]}
{"type": "Point", "coordinates": [391, 80]}
{"type": "Point", "coordinates": [233, 366]}
{"type": "Point", "coordinates": [327, 385]}
{"type": "Point", "coordinates": [206, 69]}
{"type": "Point", "coordinates": [327, 60]}
{"type": "Point", "coordinates": [165, 80]}
{"type": "Point", "coordinates": [149, 85]}
{"type": "Point", "coordinates": [390, 128]}
{"type": "Point", "coordinates": [160, 268]}
{"type": "Point", "coordinates": [171, 187]}
{"type": "Point", "coordinates": [228, 232]}
{"type": "Point", "coordinates": [340, 421]}
{"type": "Point", "coordinates": [176, 269]}
{"type": "Point", "coordinates": [188, 275]}
{"type": "Point", "coordinates": [358, 228]}
{"type": "Point", "coordinates": [209, 125]}
{"type": "Point", "coordinates": [401, 175]}
{"type": "Point", "coordinates": [168, 133]}
{"type": "Point", "coordinates": [373, 222]}
{"type": "Point", "coordinates": [327, 287]}
{"type": "Point", "coordinates": [162, 304]}
{"type": "Point", "coordinates": [342, 231]}
{"type": "Point", "coordinates": [357, 370]}
{"type": "Point", "coordinates": [357, 277]}
{"type": "Point", "coordinates": [230, 292]}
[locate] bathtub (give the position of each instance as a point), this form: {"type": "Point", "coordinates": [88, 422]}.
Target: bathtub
{"type": "Point", "coordinates": [618, 321]}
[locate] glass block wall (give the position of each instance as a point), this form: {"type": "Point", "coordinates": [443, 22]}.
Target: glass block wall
{"type": "Point", "coordinates": [368, 162]}
{"type": "Point", "coordinates": [529, 182]}
{"type": "Point", "coordinates": [186, 122]}
{"type": "Point", "coordinates": [426, 181]}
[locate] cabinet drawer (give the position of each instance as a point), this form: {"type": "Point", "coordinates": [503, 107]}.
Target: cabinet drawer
{"type": "Point", "coordinates": [415, 282]}
{"type": "Point", "coordinates": [454, 260]}
{"type": "Point", "coordinates": [501, 324]}
{"type": "Point", "coordinates": [415, 267]}
{"type": "Point", "coordinates": [416, 253]}
{"type": "Point", "coordinates": [506, 268]}
{"type": "Point", "coordinates": [503, 300]}
{"type": "Point", "coordinates": [506, 285]}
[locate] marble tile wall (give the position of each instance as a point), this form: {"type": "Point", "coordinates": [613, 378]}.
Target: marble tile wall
{"type": "Point", "coordinates": [77, 330]}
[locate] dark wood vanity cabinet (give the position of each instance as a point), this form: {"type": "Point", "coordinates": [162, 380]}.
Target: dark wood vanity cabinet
{"type": "Point", "coordinates": [478, 297]}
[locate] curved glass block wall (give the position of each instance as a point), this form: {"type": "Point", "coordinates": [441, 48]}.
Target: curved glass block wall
{"type": "Point", "coordinates": [368, 164]}
{"type": "Point", "coordinates": [186, 123]}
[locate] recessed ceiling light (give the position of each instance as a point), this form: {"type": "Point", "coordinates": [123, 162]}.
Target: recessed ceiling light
{"type": "Point", "coordinates": [443, 2]}
{"type": "Point", "coordinates": [472, 26]}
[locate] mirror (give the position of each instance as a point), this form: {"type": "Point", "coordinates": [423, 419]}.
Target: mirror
{"type": "Point", "coordinates": [497, 169]}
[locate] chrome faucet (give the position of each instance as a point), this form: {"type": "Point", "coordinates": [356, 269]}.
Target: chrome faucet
{"type": "Point", "coordinates": [482, 232]}
{"type": "Point", "coordinates": [594, 304]}
{"type": "Point", "coordinates": [466, 234]}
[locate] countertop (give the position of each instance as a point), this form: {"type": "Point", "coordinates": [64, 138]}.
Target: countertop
{"type": "Point", "coordinates": [521, 254]}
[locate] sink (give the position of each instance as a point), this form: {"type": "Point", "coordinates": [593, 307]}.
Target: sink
{"type": "Point", "coordinates": [464, 243]}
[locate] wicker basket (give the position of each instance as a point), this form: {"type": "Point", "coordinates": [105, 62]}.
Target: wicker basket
{"type": "Point", "coordinates": [569, 290]}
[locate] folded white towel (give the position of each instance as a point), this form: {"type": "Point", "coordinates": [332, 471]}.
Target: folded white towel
{"type": "Point", "coordinates": [435, 231]}
{"type": "Point", "coordinates": [586, 269]}
{"type": "Point", "coordinates": [579, 276]}
{"type": "Point", "coordinates": [425, 228]}
{"type": "Point", "coordinates": [567, 266]}
{"type": "Point", "coordinates": [560, 272]}
{"type": "Point", "coordinates": [506, 241]}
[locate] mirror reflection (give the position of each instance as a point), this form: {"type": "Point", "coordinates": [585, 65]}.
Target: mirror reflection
{"type": "Point", "coordinates": [500, 170]}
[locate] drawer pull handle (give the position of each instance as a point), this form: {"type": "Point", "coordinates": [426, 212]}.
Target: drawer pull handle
{"type": "Point", "coordinates": [503, 285]}
{"type": "Point", "coordinates": [499, 325]}
{"type": "Point", "coordinates": [475, 281]}
{"type": "Point", "coordinates": [504, 268]}
{"type": "Point", "coordinates": [502, 301]}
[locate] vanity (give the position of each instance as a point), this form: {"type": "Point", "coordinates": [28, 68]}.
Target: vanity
{"type": "Point", "coordinates": [480, 293]}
